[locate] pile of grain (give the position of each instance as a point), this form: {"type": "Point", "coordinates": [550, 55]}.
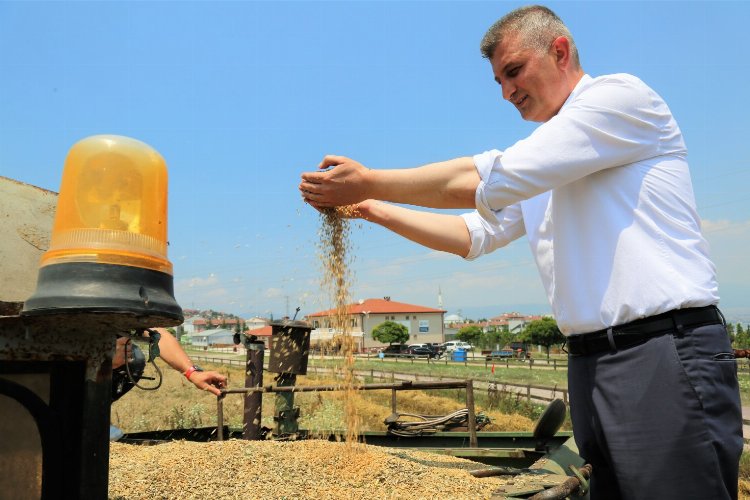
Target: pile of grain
{"type": "Point", "coordinates": [298, 469]}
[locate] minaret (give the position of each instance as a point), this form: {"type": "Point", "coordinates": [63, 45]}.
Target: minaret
{"type": "Point", "coordinates": [440, 298]}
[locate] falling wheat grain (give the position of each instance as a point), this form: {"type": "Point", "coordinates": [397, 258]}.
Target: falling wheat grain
{"type": "Point", "coordinates": [336, 259]}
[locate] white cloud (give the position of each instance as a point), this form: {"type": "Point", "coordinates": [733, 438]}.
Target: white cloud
{"type": "Point", "coordinates": [730, 241]}
{"type": "Point", "coordinates": [197, 282]}
{"type": "Point", "coordinates": [273, 293]}
{"type": "Point", "coordinates": [733, 228]}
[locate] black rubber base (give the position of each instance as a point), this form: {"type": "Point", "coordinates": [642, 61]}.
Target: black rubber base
{"type": "Point", "coordinates": [103, 288]}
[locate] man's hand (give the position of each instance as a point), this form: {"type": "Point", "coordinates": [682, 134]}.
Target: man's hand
{"type": "Point", "coordinates": [209, 381]}
{"type": "Point", "coordinates": [346, 183]}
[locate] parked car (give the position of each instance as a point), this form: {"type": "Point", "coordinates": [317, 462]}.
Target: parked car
{"type": "Point", "coordinates": [456, 344]}
{"type": "Point", "coordinates": [419, 351]}
{"type": "Point", "coordinates": [395, 350]}
{"type": "Point", "coordinates": [438, 348]}
{"type": "Point", "coordinates": [419, 345]}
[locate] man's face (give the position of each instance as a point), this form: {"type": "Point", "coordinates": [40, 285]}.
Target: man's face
{"type": "Point", "coordinates": [533, 81]}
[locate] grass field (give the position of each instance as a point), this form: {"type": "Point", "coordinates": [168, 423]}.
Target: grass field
{"type": "Point", "coordinates": [178, 404]}
{"type": "Point", "coordinates": [517, 373]}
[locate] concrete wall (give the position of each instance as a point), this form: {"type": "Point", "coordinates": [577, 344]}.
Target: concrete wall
{"type": "Point", "coordinates": [26, 217]}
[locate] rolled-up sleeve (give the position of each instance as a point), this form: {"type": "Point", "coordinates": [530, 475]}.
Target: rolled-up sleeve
{"type": "Point", "coordinates": [489, 234]}
{"type": "Point", "coordinates": [491, 229]}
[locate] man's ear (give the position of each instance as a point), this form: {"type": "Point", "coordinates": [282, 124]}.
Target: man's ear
{"type": "Point", "coordinates": [561, 50]}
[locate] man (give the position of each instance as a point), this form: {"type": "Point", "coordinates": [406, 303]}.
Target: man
{"type": "Point", "coordinates": [129, 362]}
{"type": "Point", "coordinates": [603, 193]}
{"type": "Point", "coordinates": [129, 358]}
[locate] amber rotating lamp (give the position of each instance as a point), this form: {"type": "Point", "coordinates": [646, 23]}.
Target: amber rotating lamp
{"type": "Point", "coordinates": [108, 251]}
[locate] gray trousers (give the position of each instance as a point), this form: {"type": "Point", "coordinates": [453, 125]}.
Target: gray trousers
{"type": "Point", "coordinates": [660, 420]}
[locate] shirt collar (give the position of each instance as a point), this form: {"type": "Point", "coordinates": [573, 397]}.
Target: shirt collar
{"type": "Point", "coordinates": [580, 86]}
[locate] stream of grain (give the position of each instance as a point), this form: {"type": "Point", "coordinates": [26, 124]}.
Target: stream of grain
{"type": "Point", "coordinates": [336, 259]}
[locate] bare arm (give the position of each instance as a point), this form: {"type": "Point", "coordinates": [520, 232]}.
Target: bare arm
{"type": "Point", "coordinates": [172, 353]}
{"type": "Point", "coordinates": [447, 184]}
{"type": "Point", "coordinates": [447, 233]}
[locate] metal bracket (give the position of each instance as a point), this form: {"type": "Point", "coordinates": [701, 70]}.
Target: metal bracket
{"type": "Point", "coordinates": [583, 489]}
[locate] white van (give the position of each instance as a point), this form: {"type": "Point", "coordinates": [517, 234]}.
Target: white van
{"type": "Point", "coordinates": [456, 344]}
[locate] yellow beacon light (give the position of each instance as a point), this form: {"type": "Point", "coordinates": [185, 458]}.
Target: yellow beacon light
{"type": "Point", "coordinates": [108, 251]}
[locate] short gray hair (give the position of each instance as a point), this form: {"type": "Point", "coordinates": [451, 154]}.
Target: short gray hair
{"type": "Point", "coordinates": [537, 26]}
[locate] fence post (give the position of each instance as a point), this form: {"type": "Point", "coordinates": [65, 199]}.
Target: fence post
{"type": "Point", "coordinates": [554, 364]}
{"type": "Point", "coordinates": [220, 417]}
{"type": "Point", "coordinates": [472, 424]}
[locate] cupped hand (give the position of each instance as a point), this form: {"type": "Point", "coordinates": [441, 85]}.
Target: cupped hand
{"type": "Point", "coordinates": [346, 183]}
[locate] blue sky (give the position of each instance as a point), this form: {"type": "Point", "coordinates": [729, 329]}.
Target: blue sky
{"type": "Point", "coordinates": [241, 97]}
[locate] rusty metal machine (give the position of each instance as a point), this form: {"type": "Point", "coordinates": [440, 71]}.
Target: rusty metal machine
{"type": "Point", "coordinates": [289, 350]}
{"type": "Point", "coordinates": [290, 347]}
{"type": "Point", "coordinates": [103, 273]}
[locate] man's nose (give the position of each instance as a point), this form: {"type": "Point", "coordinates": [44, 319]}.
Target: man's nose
{"type": "Point", "coordinates": [508, 91]}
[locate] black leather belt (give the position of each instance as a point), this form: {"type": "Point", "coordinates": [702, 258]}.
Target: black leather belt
{"type": "Point", "coordinates": [638, 331]}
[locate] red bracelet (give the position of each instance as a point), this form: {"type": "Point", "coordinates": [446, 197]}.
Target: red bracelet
{"type": "Point", "coordinates": [191, 370]}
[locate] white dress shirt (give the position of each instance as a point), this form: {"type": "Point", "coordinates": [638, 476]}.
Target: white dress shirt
{"type": "Point", "coordinates": [603, 192]}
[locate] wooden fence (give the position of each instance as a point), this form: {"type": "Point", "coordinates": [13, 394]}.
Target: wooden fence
{"type": "Point", "coordinates": [532, 393]}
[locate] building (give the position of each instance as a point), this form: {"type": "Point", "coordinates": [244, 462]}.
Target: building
{"type": "Point", "coordinates": [451, 320]}
{"type": "Point", "coordinates": [218, 337]}
{"type": "Point", "coordinates": [203, 324]}
{"type": "Point", "coordinates": [263, 334]}
{"type": "Point", "coordinates": [425, 324]}
{"type": "Point", "coordinates": [255, 323]}
{"type": "Point", "coordinates": [188, 326]}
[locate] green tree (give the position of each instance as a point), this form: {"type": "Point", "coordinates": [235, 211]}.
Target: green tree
{"type": "Point", "coordinates": [731, 333]}
{"type": "Point", "coordinates": [741, 337]}
{"type": "Point", "coordinates": [506, 338]}
{"type": "Point", "coordinates": [543, 332]}
{"type": "Point", "coordinates": [490, 339]}
{"type": "Point", "coordinates": [471, 334]}
{"type": "Point", "coordinates": [390, 332]}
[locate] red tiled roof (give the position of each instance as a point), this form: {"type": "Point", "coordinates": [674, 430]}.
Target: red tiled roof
{"type": "Point", "coordinates": [379, 306]}
{"type": "Point", "coordinates": [509, 316]}
{"type": "Point", "coordinates": [215, 321]}
{"type": "Point", "coordinates": [264, 331]}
